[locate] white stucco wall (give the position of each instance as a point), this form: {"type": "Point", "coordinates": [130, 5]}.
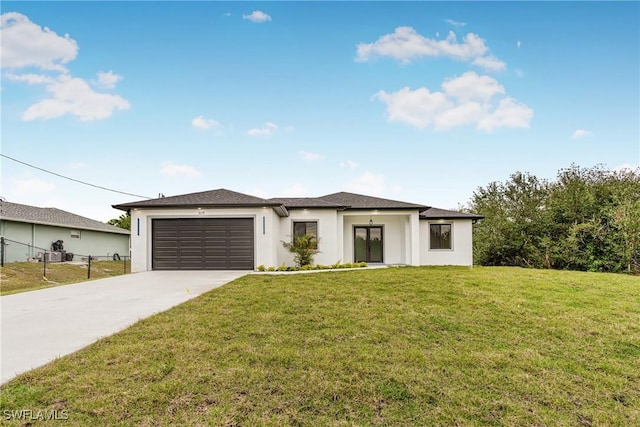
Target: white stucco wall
{"type": "Point", "coordinates": [90, 242]}
{"type": "Point", "coordinates": [461, 252]}
{"type": "Point", "coordinates": [398, 245]}
{"type": "Point", "coordinates": [406, 239]}
{"type": "Point", "coordinates": [264, 237]}
{"type": "Point", "coordinates": [328, 245]}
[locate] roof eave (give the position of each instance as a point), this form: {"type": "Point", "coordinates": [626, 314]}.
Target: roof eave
{"type": "Point", "coordinates": [71, 226]}
{"type": "Point", "coordinates": [474, 217]}
{"type": "Point", "coordinates": [386, 208]}
{"type": "Point", "coordinates": [126, 207]}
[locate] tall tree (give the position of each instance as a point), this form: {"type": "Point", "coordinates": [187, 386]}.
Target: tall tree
{"type": "Point", "coordinates": [123, 221]}
{"type": "Point", "coordinates": [587, 219]}
{"type": "Point", "coordinates": [511, 232]}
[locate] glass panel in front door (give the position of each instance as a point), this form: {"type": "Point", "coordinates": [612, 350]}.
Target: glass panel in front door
{"type": "Point", "coordinates": [360, 244]}
{"type": "Point", "coordinates": [375, 244]}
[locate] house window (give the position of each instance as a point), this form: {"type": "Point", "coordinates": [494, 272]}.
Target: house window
{"type": "Point", "coordinates": [300, 228]}
{"type": "Point", "coordinates": [439, 236]}
{"type": "Point", "coordinates": [75, 234]}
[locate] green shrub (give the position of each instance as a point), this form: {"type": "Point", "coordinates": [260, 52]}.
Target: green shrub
{"type": "Point", "coordinates": [303, 248]}
{"type": "Point", "coordinates": [271, 268]}
{"type": "Point", "coordinates": [260, 267]}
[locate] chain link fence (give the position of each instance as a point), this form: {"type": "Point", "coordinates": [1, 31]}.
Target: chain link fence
{"type": "Point", "coordinates": [48, 257]}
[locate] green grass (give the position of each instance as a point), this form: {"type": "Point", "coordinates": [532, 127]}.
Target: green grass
{"type": "Point", "coordinates": [28, 276]}
{"type": "Point", "coordinates": [397, 346]}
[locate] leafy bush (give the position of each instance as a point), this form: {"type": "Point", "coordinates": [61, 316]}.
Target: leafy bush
{"type": "Point", "coordinates": [303, 248]}
{"type": "Point", "coordinates": [308, 267]}
{"type": "Point", "coordinates": [587, 219]}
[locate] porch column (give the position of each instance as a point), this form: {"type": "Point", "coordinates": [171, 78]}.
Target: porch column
{"type": "Point", "coordinates": [340, 234]}
{"type": "Point", "coordinates": [414, 228]}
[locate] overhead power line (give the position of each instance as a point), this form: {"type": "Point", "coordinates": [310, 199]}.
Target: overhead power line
{"type": "Point", "coordinates": [74, 180]}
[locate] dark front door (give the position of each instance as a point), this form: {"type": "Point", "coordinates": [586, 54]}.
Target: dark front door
{"type": "Point", "coordinates": [368, 244]}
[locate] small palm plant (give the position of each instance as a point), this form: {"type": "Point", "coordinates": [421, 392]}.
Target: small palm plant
{"type": "Point", "coordinates": [303, 247]}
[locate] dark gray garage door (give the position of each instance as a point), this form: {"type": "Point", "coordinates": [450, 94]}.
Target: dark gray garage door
{"type": "Point", "coordinates": [203, 244]}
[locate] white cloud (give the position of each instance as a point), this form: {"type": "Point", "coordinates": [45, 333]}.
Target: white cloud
{"type": "Point", "coordinates": [72, 95]}
{"type": "Point", "coordinates": [307, 155]}
{"type": "Point", "coordinates": [257, 16]}
{"type": "Point", "coordinates": [469, 99]}
{"type": "Point", "coordinates": [471, 86]}
{"type": "Point", "coordinates": [417, 108]}
{"type": "Point", "coordinates": [518, 44]}
{"type": "Point", "coordinates": [265, 130]}
{"type": "Point", "coordinates": [489, 63]}
{"type": "Point", "coordinates": [467, 113]}
{"type": "Point", "coordinates": [510, 114]}
{"type": "Point", "coordinates": [173, 169]}
{"type": "Point", "coordinates": [30, 78]}
{"type": "Point", "coordinates": [349, 164]}
{"type": "Point", "coordinates": [25, 44]}
{"type": "Point", "coordinates": [405, 44]}
{"type": "Point", "coordinates": [201, 123]}
{"type": "Point", "coordinates": [25, 186]}
{"type": "Point", "coordinates": [456, 23]}
{"type": "Point", "coordinates": [296, 190]}
{"type": "Point", "coordinates": [581, 133]}
{"type": "Point", "coordinates": [368, 183]}
{"type": "Point", "coordinates": [109, 79]}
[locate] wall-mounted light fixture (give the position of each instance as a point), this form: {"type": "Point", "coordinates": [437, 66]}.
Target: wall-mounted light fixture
{"type": "Point", "coordinates": [370, 221]}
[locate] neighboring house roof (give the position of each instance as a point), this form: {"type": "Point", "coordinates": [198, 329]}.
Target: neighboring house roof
{"type": "Point", "coordinates": [435, 213]}
{"type": "Point", "coordinates": [52, 216]}
{"type": "Point", "coordinates": [359, 201]}
{"type": "Point", "coordinates": [213, 198]}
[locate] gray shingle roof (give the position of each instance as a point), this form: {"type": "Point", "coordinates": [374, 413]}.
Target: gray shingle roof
{"type": "Point", "coordinates": [227, 198]}
{"type": "Point", "coordinates": [305, 202]}
{"type": "Point", "coordinates": [359, 201]}
{"type": "Point", "coordinates": [436, 213]}
{"type": "Point", "coordinates": [53, 216]}
{"type": "Point", "coordinates": [213, 198]}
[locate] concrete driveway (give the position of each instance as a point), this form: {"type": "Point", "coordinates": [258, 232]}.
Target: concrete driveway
{"type": "Point", "coordinates": [39, 326]}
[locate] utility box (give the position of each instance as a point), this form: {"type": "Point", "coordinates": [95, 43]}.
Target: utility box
{"type": "Point", "coordinates": [53, 256]}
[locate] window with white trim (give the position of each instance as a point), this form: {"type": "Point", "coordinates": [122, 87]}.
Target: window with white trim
{"type": "Point", "coordinates": [440, 236]}
{"type": "Point", "coordinates": [75, 234]}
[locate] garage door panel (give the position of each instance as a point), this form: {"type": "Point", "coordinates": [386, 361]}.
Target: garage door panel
{"type": "Point", "coordinates": [203, 244]}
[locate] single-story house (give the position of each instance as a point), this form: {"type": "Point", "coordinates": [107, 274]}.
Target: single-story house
{"type": "Point", "coordinates": [28, 230]}
{"type": "Point", "coordinates": [223, 229]}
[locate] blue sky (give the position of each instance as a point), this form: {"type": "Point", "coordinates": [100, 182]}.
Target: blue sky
{"type": "Point", "coordinates": [416, 101]}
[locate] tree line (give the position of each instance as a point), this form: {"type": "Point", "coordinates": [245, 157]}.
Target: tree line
{"type": "Point", "coordinates": [586, 219]}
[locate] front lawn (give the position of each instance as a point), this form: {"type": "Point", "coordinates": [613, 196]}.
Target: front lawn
{"type": "Point", "coordinates": [28, 276]}
{"type": "Point", "coordinates": [397, 346]}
